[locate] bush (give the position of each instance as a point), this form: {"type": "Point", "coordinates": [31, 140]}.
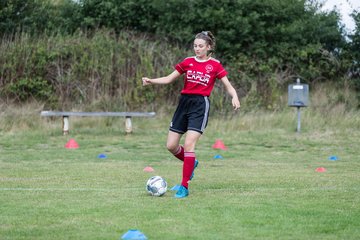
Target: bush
{"type": "Point", "coordinates": [24, 89]}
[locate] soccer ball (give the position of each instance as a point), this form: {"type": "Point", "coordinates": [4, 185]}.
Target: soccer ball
{"type": "Point", "coordinates": [156, 186]}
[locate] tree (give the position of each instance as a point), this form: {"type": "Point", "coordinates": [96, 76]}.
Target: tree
{"type": "Point", "coordinates": [354, 46]}
{"type": "Point", "coordinates": [117, 15]}
{"type": "Point", "coordinates": [38, 16]}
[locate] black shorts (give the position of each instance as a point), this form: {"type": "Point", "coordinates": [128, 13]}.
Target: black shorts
{"type": "Point", "coordinates": [192, 113]}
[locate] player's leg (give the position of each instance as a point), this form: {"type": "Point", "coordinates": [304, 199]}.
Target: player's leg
{"type": "Point", "coordinates": [197, 122]}
{"type": "Point", "coordinates": [173, 145]}
{"type": "Point", "coordinates": [189, 162]}
{"type": "Point", "coordinates": [191, 139]}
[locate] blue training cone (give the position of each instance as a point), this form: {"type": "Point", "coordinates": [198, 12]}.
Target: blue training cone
{"type": "Point", "coordinates": [102, 155]}
{"type": "Point", "coordinates": [218, 157]}
{"type": "Point", "coordinates": [333, 158]}
{"type": "Point", "coordinates": [134, 234]}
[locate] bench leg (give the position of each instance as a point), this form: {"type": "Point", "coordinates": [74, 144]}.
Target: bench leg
{"type": "Point", "coordinates": [65, 125]}
{"type": "Point", "coordinates": [128, 125]}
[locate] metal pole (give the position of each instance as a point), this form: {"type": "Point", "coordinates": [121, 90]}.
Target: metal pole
{"type": "Point", "coordinates": [298, 120]}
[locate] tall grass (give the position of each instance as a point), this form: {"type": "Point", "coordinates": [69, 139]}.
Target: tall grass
{"type": "Point", "coordinates": [102, 71]}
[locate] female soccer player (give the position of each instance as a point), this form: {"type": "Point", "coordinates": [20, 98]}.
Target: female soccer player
{"type": "Point", "coordinates": [191, 115]}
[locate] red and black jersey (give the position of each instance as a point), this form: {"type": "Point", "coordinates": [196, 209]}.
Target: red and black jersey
{"type": "Point", "coordinates": [200, 76]}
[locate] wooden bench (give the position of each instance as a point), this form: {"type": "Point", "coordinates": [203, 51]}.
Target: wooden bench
{"type": "Point", "coordinates": [66, 115]}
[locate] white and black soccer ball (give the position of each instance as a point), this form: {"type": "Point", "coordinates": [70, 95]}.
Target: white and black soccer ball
{"type": "Point", "coordinates": [156, 186]}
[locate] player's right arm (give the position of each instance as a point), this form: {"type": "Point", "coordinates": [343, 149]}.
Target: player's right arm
{"type": "Point", "coordinates": [162, 80]}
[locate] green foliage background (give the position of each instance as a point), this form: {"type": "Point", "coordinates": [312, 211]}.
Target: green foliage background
{"type": "Point", "coordinates": [92, 54]}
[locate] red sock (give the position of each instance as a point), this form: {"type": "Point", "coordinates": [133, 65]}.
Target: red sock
{"type": "Point", "coordinates": [180, 153]}
{"type": "Point", "coordinates": [188, 168]}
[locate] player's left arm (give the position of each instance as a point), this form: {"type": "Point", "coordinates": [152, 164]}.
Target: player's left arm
{"type": "Point", "coordinates": [232, 92]}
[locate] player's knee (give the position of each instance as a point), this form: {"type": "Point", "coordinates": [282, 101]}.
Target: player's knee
{"type": "Point", "coordinates": [171, 147]}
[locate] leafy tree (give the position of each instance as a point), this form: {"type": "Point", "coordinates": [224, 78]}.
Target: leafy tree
{"type": "Point", "coordinates": [117, 15]}
{"type": "Point", "coordinates": [38, 16]}
{"type": "Point", "coordinates": [287, 34]}
{"type": "Point", "coordinates": [354, 45]}
{"type": "Point", "coordinates": [354, 54]}
{"type": "Point", "coordinates": [65, 16]}
{"type": "Point", "coordinates": [17, 15]}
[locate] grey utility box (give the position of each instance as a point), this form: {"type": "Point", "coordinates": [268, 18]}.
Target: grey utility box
{"type": "Point", "coordinates": [298, 94]}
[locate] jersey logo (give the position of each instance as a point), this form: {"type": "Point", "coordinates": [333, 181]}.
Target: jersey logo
{"type": "Point", "coordinates": [209, 68]}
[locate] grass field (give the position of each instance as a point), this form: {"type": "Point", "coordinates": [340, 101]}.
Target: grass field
{"type": "Point", "coordinates": [265, 187]}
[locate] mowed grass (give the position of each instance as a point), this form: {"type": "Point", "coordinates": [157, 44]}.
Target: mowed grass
{"type": "Point", "coordinates": [265, 187]}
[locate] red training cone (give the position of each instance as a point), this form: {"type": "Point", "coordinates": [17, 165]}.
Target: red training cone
{"type": "Point", "coordinates": [148, 169]}
{"type": "Point", "coordinates": [321, 169]}
{"type": "Point", "coordinates": [219, 145]}
{"type": "Point", "coordinates": [71, 144]}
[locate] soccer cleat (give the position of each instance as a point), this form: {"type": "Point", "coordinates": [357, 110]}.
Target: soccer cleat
{"type": "Point", "coordinates": [196, 164]}
{"type": "Point", "coordinates": [182, 192]}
